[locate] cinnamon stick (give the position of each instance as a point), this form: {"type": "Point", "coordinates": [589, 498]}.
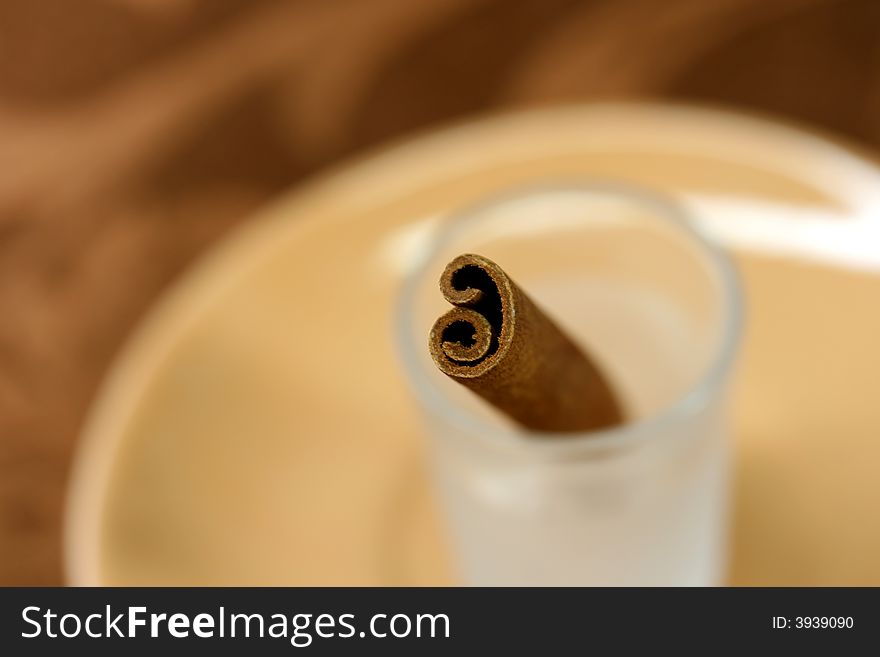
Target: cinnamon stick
{"type": "Point", "coordinates": [498, 343]}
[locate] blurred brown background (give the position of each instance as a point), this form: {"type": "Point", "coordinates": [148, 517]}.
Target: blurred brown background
{"type": "Point", "coordinates": [133, 133]}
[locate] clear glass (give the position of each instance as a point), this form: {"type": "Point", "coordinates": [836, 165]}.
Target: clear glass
{"type": "Point", "coordinates": [658, 307]}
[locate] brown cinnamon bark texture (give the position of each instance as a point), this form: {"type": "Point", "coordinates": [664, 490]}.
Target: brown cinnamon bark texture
{"type": "Point", "coordinates": [499, 344]}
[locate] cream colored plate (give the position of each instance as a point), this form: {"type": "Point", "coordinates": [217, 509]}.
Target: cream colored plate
{"type": "Point", "coordinates": [257, 428]}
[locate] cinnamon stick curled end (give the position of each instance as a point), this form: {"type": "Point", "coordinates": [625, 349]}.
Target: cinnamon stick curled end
{"type": "Point", "coordinates": [499, 344]}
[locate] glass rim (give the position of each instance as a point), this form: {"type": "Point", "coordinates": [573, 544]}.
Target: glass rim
{"type": "Point", "coordinates": [549, 444]}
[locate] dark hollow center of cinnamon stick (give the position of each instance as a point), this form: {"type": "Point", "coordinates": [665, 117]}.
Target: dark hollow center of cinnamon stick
{"type": "Point", "coordinates": [484, 299]}
{"type": "Point", "coordinates": [462, 332]}
{"type": "Point", "coordinates": [471, 277]}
